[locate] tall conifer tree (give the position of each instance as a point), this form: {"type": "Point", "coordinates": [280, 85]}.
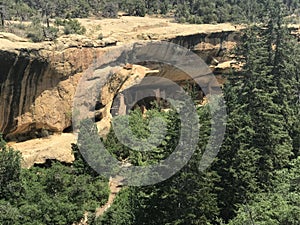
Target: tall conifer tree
{"type": "Point", "coordinates": [261, 121]}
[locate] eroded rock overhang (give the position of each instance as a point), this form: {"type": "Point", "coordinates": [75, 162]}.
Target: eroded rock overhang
{"type": "Point", "coordinates": [38, 82]}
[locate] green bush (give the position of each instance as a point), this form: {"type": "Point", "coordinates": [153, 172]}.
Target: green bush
{"type": "Point", "coordinates": [110, 10]}
{"type": "Point", "coordinates": [51, 33]}
{"type": "Point", "coordinates": [35, 33]}
{"type": "Point", "coordinates": [72, 26]}
{"type": "Point", "coordinates": [10, 169]}
{"type": "Point", "coordinates": [100, 36]}
{"type": "Point", "coordinates": [59, 194]}
{"type": "Point", "coordinates": [59, 22]}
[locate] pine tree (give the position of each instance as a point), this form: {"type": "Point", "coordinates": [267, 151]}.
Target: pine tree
{"type": "Point", "coordinates": [186, 198]}
{"type": "Point", "coordinates": [10, 169]}
{"type": "Point", "coordinates": [280, 206]}
{"type": "Point", "coordinates": [261, 116]}
{"type": "Point", "coordinates": [285, 63]}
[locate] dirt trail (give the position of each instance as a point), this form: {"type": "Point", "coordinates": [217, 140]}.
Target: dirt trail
{"type": "Point", "coordinates": [115, 186]}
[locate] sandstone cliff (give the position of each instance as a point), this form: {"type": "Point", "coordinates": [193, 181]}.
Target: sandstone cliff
{"type": "Point", "coordinates": [38, 81]}
{"type": "Point", "coordinates": [37, 86]}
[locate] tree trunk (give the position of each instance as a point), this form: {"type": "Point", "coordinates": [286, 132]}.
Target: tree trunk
{"type": "Point", "coordinates": [2, 19]}
{"type": "Point", "coordinates": [47, 21]}
{"type": "Point", "coordinates": [2, 10]}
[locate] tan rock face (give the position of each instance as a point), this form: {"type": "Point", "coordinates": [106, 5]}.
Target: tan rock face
{"type": "Point", "coordinates": [113, 81]}
{"type": "Point", "coordinates": [25, 77]}
{"type": "Point", "coordinates": [37, 84]}
{"type": "Point", "coordinates": [123, 79]}
{"type": "Point", "coordinates": [37, 151]}
{"type": "Point", "coordinates": [37, 88]}
{"type": "Point", "coordinates": [38, 81]}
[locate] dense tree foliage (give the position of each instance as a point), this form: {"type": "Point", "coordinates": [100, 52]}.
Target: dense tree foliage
{"type": "Point", "coordinates": [193, 11]}
{"type": "Point", "coordinates": [42, 13]}
{"type": "Point", "coordinates": [10, 169]}
{"type": "Point", "coordinates": [263, 131]}
{"type": "Point", "coordinates": [256, 176]}
{"type": "Point", "coordinates": [176, 200]}
{"type": "Point", "coordinates": [279, 206]}
{"type": "Point", "coordinates": [59, 194]}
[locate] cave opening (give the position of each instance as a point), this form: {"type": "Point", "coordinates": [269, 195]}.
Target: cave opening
{"type": "Point", "coordinates": [68, 129]}
{"type": "Point", "coordinates": [147, 95]}
{"type": "Point", "coordinates": [131, 99]}
{"type": "Point", "coordinates": [33, 132]}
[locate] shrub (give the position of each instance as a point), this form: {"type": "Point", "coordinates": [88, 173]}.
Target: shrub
{"type": "Point", "coordinates": [100, 36]}
{"type": "Point", "coordinates": [10, 169]}
{"type": "Point", "coordinates": [51, 32]}
{"type": "Point", "coordinates": [110, 10]}
{"type": "Point", "coordinates": [35, 33]}
{"type": "Point", "coordinates": [59, 22]}
{"type": "Point", "coordinates": [72, 26]}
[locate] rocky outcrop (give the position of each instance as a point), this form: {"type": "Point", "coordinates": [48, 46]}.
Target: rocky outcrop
{"type": "Point", "coordinates": [38, 81]}
{"type": "Point", "coordinates": [209, 46]}
{"type": "Point", "coordinates": [37, 86]}
{"type": "Point", "coordinates": [94, 101]}
{"type": "Point", "coordinates": [38, 151]}
{"type": "Point", "coordinates": [21, 71]}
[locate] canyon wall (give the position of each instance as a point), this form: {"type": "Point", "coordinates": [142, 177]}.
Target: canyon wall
{"type": "Point", "coordinates": [37, 86]}
{"type": "Point", "coordinates": [38, 81]}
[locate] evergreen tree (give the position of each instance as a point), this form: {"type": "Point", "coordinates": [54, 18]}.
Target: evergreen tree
{"type": "Point", "coordinates": [280, 206]}
{"type": "Point", "coordinates": [122, 211]}
{"type": "Point", "coordinates": [285, 69]}
{"type": "Point", "coordinates": [261, 116]}
{"type": "Point", "coordinates": [10, 169]}
{"type": "Point", "coordinates": [186, 198]}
